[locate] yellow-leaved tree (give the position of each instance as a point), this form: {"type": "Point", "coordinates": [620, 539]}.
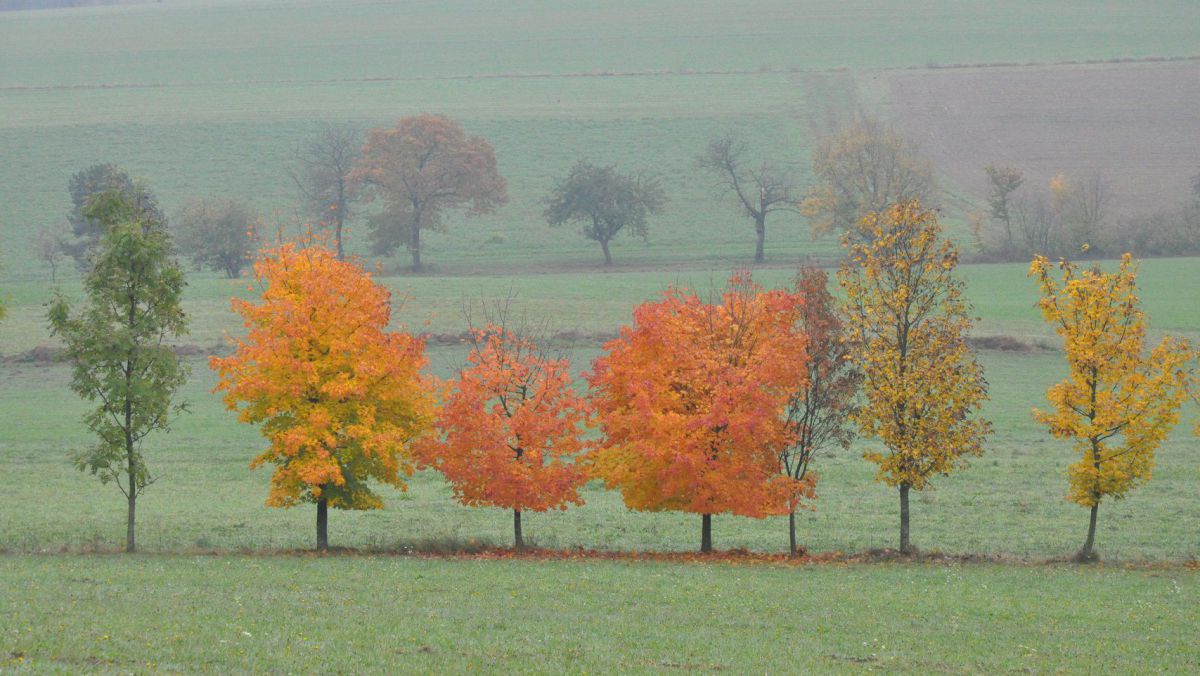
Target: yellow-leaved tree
{"type": "Point", "coordinates": [1119, 401]}
{"type": "Point", "coordinates": [907, 322]}
{"type": "Point", "coordinates": [340, 398]}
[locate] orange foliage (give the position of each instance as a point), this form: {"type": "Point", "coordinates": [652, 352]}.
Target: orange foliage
{"type": "Point", "coordinates": [339, 397]}
{"type": "Point", "coordinates": [509, 423]}
{"type": "Point", "coordinates": [691, 399]}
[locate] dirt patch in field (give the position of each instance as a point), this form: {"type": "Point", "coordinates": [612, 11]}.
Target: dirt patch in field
{"type": "Point", "coordinates": [1137, 123]}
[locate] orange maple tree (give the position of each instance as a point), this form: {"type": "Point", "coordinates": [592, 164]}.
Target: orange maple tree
{"type": "Point", "coordinates": [339, 397]}
{"type": "Point", "coordinates": [510, 423]}
{"type": "Point", "coordinates": [691, 401]}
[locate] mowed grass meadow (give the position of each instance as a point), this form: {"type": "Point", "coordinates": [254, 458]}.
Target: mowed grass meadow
{"type": "Point", "coordinates": [209, 97]}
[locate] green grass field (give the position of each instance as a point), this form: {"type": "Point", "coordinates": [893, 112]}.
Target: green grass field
{"type": "Point", "coordinates": [374, 614]}
{"type": "Point", "coordinates": [204, 97]}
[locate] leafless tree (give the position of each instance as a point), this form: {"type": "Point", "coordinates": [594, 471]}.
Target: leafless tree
{"type": "Point", "coordinates": [760, 190]}
{"type": "Point", "coordinates": [321, 173]}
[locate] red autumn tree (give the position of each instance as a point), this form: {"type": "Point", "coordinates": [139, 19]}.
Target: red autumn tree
{"type": "Point", "coordinates": [339, 397]}
{"type": "Point", "coordinates": [691, 401]}
{"type": "Point", "coordinates": [509, 425]}
{"type": "Point", "coordinates": [420, 168]}
{"type": "Point", "coordinates": [820, 408]}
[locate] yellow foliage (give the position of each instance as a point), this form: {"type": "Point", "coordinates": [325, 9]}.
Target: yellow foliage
{"type": "Point", "coordinates": [908, 323]}
{"type": "Point", "coordinates": [1119, 402]}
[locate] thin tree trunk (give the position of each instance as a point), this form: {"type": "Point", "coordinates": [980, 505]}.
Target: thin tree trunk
{"type": "Point", "coordinates": [905, 545]}
{"type": "Point", "coordinates": [518, 541]}
{"type": "Point", "coordinates": [706, 534]}
{"type": "Point", "coordinates": [323, 524]}
{"type": "Point", "coordinates": [130, 518]}
{"type": "Point", "coordinates": [760, 227]}
{"type": "Point", "coordinates": [1086, 553]}
{"type": "Point", "coordinates": [607, 255]}
{"type": "Point", "coordinates": [792, 531]}
{"type": "Point", "coordinates": [337, 237]}
{"type": "Point", "coordinates": [130, 464]}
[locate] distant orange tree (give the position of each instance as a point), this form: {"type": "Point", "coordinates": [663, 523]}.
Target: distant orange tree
{"type": "Point", "coordinates": [419, 169]}
{"type": "Point", "coordinates": [1119, 401]}
{"type": "Point", "coordinates": [820, 409]}
{"type": "Point", "coordinates": [907, 320]}
{"type": "Point", "coordinates": [691, 400]}
{"type": "Point", "coordinates": [510, 425]}
{"type": "Point", "coordinates": [339, 397]}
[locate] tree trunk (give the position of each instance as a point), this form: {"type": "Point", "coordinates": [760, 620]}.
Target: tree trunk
{"type": "Point", "coordinates": [130, 464]}
{"type": "Point", "coordinates": [760, 228]}
{"type": "Point", "coordinates": [518, 541]}
{"type": "Point", "coordinates": [706, 534]}
{"type": "Point", "coordinates": [607, 255]}
{"type": "Point", "coordinates": [1086, 553]}
{"type": "Point", "coordinates": [792, 531]}
{"type": "Point", "coordinates": [323, 524]}
{"type": "Point", "coordinates": [415, 248]}
{"type": "Point", "coordinates": [130, 518]}
{"type": "Point", "coordinates": [337, 234]}
{"type": "Point", "coordinates": [905, 545]}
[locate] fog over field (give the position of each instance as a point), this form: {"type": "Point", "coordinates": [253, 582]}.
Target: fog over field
{"type": "Point", "coordinates": [552, 170]}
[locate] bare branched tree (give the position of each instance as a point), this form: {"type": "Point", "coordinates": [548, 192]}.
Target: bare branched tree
{"type": "Point", "coordinates": [760, 190]}
{"type": "Point", "coordinates": [321, 174]}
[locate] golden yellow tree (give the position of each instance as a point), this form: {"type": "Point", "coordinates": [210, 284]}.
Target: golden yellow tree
{"type": "Point", "coordinates": [907, 321]}
{"type": "Point", "coordinates": [1119, 401]}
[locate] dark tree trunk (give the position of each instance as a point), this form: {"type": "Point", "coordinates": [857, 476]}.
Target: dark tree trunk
{"type": "Point", "coordinates": [1086, 553]}
{"type": "Point", "coordinates": [518, 540]}
{"type": "Point", "coordinates": [905, 544]}
{"type": "Point", "coordinates": [130, 464]}
{"type": "Point", "coordinates": [323, 524]}
{"type": "Point", "coordinates": [607, 255]}
{"type": "Point", "coordinates": [415, 248]}
{"type": "Point", "coordinates": [760, 228]}
{"type": "Point", "coordinates": [130, 518]}
{"type": "Point", "coordinates": [337, 237]}
{"type": "Point", "coordinates": [706, 534]}
{"type": "Point", "coordinates": [792, 531]}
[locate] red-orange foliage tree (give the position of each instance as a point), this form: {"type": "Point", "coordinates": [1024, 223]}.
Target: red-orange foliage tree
{"type": "Point", "coordinates": [420, 168]}
{"type": "Point", "coordinates": [509, 423]}
{"type": "Point", "coordinates": [339, 397]}
{"type": "Point", "coordinates": [691, 401]}
{"type": "Point", "coordinates": [820, 408]}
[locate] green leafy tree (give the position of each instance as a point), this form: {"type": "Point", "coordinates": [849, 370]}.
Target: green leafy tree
{"type": "Point", "coordinates": [217, 234]}
{"type": "Point", "coordinates": [85, 230]}
{"type": "Point", "coordinates": [604, 202]}
{"type": "Point", "coordinates": [117, 344]}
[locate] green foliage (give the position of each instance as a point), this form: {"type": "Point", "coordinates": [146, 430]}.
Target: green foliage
{"type": "Point", "coordinates": [217, 234]}
{"type": "Point", "coordinates": [87, 221]}
{"type": "Point", "coordinates": [117, 341]}
{"type": "Point", "coordinates": [604, 202]}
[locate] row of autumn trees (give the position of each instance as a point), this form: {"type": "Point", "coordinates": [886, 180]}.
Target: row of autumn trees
{"type": "Point", "coordinates": [706, 406]}
{"type": "Point", "coordinates": [403, 182]}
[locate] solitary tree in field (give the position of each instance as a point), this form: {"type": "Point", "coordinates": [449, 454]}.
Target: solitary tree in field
{"type": "Point", "coordinates": [510, 425]}
{"type": "Point", "coordinates": [691, 400]}
{"type": "Point", "coordinates": [419, 169]}
{"type": "Point", "coordinates": [95, 180]}
{"type": "Point", "coordinates": [117, 344]}
{"type": "Point", "coordinates": [1002, 183]}
{"type": "Point", "coordinates": [50, 246]}
{"type": "Point", "coordinates": [604, 202]}
{"type": "Point", "coordinates": [218, 234]}
{"type": "Point", "coordinates": [865, 168]}
{"type": "Point", "coordinates": [322, 176]}
{"type": "Point", "coordinates": [339, 397]}
{"type": "Point", "coordinates": [759, 190]}
{"type": "Point", "coordinates": [820, 409]}
{"type": "Point", "coordinates": [1119, 401]}
{"type": "Point", "coordinates": [907, 322]}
